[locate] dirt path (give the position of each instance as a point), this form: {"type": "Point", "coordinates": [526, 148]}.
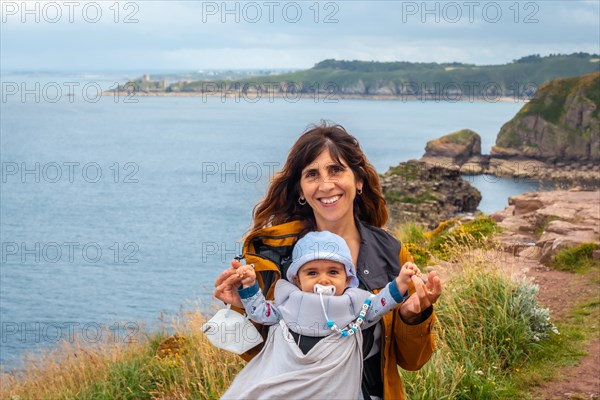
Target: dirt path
{"type": "Point", "coordinates": [561, 292]}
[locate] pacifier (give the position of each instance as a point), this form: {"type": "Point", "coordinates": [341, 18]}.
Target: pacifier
{"type": "Point", "coordinates": [328, 290]}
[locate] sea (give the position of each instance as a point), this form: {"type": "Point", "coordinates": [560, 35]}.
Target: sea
{"type": "Point", "coordinates": [118, 212]}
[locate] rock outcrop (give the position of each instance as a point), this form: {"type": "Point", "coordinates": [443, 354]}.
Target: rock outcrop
{"type": "Point", "coordinates": [539, 224]}
{"type": "Point", "coordinates": [428, 194]}
{"type": "Point", "coordinates": [561, 123]}
{"type": "Point", "coordinates": [457, 147]}
{"type": "Point", "coordinates": [565, 174]}
{"type": "Point", "coordinates": [555, 137]}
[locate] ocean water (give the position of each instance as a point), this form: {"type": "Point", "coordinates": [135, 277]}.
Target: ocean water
{"type": "Point", "coordinates": [113, 212]}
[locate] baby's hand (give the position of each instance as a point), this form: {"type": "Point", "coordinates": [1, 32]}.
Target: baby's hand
{"type": "Point", "coordinates": [246, 275]}
{"type": "Point", "coordinates": [407, 271]}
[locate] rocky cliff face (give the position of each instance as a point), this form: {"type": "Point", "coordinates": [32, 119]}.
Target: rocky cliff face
{"type": "Point", "coordinates": [427, 193]}
{"type": "Point", "coordinates": [457, 147]}
{"type": "Point", "coordinates": [561, 123]}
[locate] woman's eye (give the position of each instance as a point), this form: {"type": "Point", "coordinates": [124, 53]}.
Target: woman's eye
{"type": "Point", "coordinates": [336, 170]}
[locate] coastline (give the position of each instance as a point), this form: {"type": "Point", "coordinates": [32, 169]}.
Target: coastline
{"type": "Point", "coordinates": [324, 97]}
{"type": "Point", "coordinates": [575, 173]}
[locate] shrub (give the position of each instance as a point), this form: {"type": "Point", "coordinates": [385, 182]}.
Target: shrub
{"type": "Point", "coordinates": [487, 325]}
{"type": "Point", "coordinates": [452, 233]}
{"type": "Point", "coordinates": [412, 232]}
{"type": "Point", "coordinates": [420, 255]}
{"type": "Point", "coordinates": [575, 258]}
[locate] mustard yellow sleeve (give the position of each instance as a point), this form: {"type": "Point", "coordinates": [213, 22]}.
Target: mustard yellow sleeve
{"type": "Point", "coordinates": [413, 344]}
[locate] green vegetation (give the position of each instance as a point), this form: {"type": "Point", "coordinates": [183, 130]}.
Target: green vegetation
{"type": "Point", "coordinates": [550, 99]}
{"type": "Point", "coordinates": [405, 78]}
{"type": "Point", "coordinates": [464, 137]}
{"type": "Point", "coordinates": [182, 366]}
{"type": "Point", "coordinates": [549, 103]}
{"type": "Point", "coordinates": [394, 196]}
{"type": "Point", "coordinates": [369, 76]}
{"type": "Point", "coordinates": [453, 233]}
{"type": "Point", "coordinates": [411, 232]}
{"type": "Point", "coordinates": [408, 171]}
{"type": "Point", "coordinates": [412, 236]}
{"type": "Point", "coordinates": [486, 350]}
{"type": "Point", "coordinates": [575, 259]}
{"type": "Point", "coordinates": [509, 138]}
{"type": "Point", "coordinates": [493, 340]}
{"type": "Point", "coordinates": [446, 238]}
{"type": "Point", "coordinates": [542, 224]}
{"type": "Point", "coordinates": [559, 351]}
{"type": "Point", "coordinates": [489, 325]}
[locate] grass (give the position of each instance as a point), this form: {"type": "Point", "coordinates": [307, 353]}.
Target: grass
{"type": "Point", "coordinates": [463, 136]}
{"type": "Point", "coordinates": [395, 196]}
{"type": "Point", "coordinates": [449, 234]}
{"type": "Point", "coordinates": [193, 369]}
{"type": "Point", "coordinates": [575, 259]}
{"type": "Point", "coordinates": [542, 224]}
{"type": "Point", "coordinates": [488, 326]}
{"type": "Point", "coordinates": [494, 341]}
{"type": "Point", "coordinates": [408, 172]}
{"type": "Point", "coordinates": [452, 233]}
{"type": "Point", "coordinates": [560, 351]}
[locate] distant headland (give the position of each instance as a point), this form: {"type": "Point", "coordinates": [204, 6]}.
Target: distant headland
{"type": "Point", "coordinates": [331, 79]}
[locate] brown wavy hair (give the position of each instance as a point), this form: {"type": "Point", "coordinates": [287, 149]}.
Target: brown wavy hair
{"type": "Point", "coordinates": [280, 204]}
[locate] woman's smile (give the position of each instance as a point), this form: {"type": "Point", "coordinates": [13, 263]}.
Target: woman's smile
{"type": "Point", "coordinates": [330, 201]}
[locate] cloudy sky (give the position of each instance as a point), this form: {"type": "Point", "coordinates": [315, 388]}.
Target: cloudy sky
{"type": "Point", "coordinates": [194, 35]}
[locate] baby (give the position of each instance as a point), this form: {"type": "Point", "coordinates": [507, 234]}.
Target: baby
{"type": "Point", "coordinates": [320, 300]}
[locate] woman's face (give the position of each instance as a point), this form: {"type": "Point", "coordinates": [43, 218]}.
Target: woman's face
{"type": "Point", "coordinates": [329, 189]}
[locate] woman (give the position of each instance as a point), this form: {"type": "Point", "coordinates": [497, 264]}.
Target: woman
{"type": "Point", "coordinates": [335, 188]}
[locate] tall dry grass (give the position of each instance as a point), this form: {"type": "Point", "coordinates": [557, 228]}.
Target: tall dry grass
{"type": "Point", "coordinates": [193, 369]}
{"type": "Point", "coordinates": [488, 324]}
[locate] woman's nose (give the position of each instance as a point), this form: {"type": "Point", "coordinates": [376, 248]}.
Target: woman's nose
{"type": "Point", "coordinates": [326, 184]}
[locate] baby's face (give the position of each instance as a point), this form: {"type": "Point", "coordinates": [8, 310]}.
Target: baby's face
{"type": "Point", "coordinates": [324, 272]}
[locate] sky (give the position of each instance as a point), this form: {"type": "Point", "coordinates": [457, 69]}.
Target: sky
{"type": "Point", "coordinates": [164, 35]}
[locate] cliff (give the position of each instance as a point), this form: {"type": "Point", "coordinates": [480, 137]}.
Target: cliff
{"type": "Point", "coordinates": [428, 194]}
{"type": "Point", "coordinates": [457, 147]}
{"type": "Point", "coordinates": [561, 123]}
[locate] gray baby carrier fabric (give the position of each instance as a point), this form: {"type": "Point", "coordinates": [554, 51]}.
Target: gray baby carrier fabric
{"type": "Point", "coordinates": [332, 369]}
{"type": "Point", "coordinates": [303, 311]}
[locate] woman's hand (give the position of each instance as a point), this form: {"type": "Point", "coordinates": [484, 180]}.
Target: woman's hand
{"type": "Point", "coordinates": [226, 285]}
{"type": "Point", "coordinates": [425, 295]}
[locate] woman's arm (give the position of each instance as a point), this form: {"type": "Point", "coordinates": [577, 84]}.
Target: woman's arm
{"type": "Point", "coordinates": [411, 324]}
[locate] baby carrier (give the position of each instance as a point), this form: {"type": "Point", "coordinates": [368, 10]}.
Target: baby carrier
{"type": "Point", "coordinates": [270, 250]}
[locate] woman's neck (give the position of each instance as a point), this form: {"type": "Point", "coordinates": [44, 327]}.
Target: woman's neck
{"type": "Point", "coordinates": [346, 229]}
